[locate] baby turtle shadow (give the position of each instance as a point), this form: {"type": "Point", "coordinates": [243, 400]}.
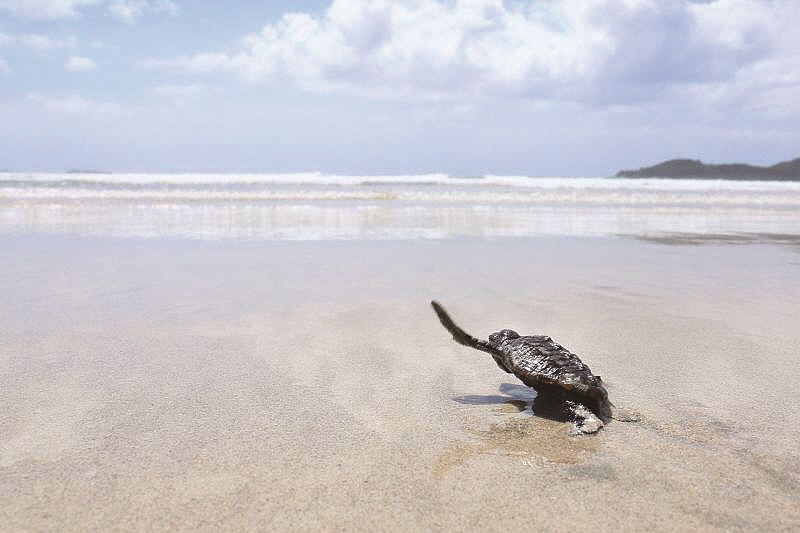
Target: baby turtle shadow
{"type": "Point", "coordinates": [524, 399]}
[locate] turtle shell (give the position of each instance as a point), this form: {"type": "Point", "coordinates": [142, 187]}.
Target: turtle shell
{"type": "Point", "coordinates": [540, 362]}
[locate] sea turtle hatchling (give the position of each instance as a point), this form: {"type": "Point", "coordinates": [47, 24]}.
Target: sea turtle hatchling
{"type": "Point", "coordinates": [546, 366]}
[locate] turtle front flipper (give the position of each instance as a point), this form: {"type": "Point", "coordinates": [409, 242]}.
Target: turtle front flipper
{"type": "Point", "coordinates": [464, 338]}
{"type": "Point", "coordinates": [584, 421]}
{"type": "Point", "coordinates": [459, 335]}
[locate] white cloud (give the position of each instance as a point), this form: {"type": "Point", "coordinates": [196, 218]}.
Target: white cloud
{"type": "Point", "coordinates": [79, 64]}
{"type": "Point", "coordinates": [74, 104]}
{"type": "Point", "coordinates": [599, 51]}
{"type": "Point", "coordinates": [4, 39]}
{"type": "Point", "coordinates": [44, 43]}
{"type": "Point", "coordinates": [128, 11]}
{"type": "Point", "coordinates": [4, 68]}
{"type": "Point", "coordinates": [767, 81]}
{"type": "Point", "coordinates": [177, 90]}
{"type": "Point", "coordinates": [44, 9]}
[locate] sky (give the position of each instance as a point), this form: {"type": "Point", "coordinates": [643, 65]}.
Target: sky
{"type": "Point", "coordinates": [465, 87]}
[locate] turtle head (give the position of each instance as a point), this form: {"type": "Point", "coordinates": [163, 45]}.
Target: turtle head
{"type": "Point", "coordinates": [501, 337]}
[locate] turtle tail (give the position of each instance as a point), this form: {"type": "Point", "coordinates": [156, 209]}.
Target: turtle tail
{"type": "Point", "coordinates": [459, 335]}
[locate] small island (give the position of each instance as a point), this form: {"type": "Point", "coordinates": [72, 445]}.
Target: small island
{"type": "Point", "coordinates": [90, 171]}
{"type": "Point", "coordinates": [696, 169]}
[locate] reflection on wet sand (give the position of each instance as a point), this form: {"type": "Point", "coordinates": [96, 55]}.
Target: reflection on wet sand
{"type": "Point", "coordinates": [540, 434]}
{"type": "Point", "coordinates": [673, 238]}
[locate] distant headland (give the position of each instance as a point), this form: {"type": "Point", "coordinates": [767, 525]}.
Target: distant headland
{"type": "Point", "coordinates": [695, 169]}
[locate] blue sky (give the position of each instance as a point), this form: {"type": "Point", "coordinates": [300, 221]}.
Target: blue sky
{"type": "Point", "coordinates": [372, 87]}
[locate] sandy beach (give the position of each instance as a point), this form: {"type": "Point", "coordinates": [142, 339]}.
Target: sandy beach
{"type": "Point", "coordinates": [184, 384]}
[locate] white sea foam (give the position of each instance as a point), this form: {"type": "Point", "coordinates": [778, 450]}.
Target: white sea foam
{"type": "Point", "coordinates": [319, 178]}
{"type": "Point", "coordinates": [418, 188]}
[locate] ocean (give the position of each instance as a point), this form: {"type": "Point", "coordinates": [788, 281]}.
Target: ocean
{"type": "Point", "coordinates": [318, 206]}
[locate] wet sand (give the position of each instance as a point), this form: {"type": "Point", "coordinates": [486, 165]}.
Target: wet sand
{"type": "Point", "coordinates": [178, 384]}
